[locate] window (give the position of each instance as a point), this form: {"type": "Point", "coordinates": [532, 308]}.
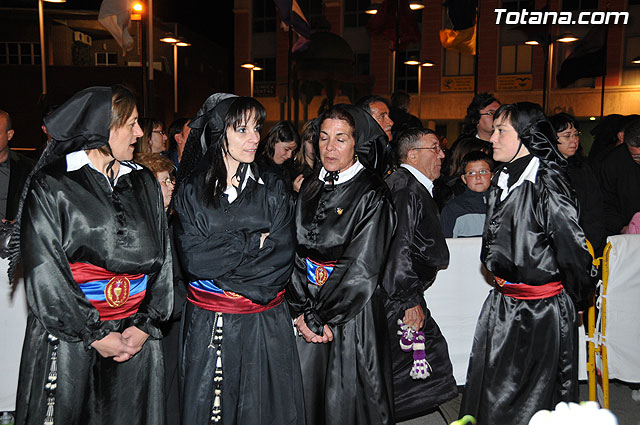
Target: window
{"type": "Point", "coordinates": [579, 5]}
{"type": "Point", "coordinates": [264, 82]}
{"type": "Point", "coordinates": [515, 59]}
{"type": "Point", "coordinates": [362, 63]}
{"type": "Point", "coordinates": [14, 53]}
{"type": "Point", "coordinates": [106, 59]}
{"type": "Point", "coordinates": [456, 63]}
{"type": "Point", "coordinates": [354, 13]}
{"type": "Point", "coordinates": [264, 16]}
{"type": "Point", "coordinates": [314, 12]}
{"type": "Point", "coordinates": [518, 5]}
{"type": "Point", "coordinates": [407, 77]}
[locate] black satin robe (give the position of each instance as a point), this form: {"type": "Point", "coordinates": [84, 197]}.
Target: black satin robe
{"type": "Point", "coordinates": [525, 352]}
{"type": "Point", "coordinates": [346, 381]}
{"type": "Point", "coordinates": [417, 252]}
{"type": "Point", "coordinates": [262, 382]}
{"type": "Point", "coordinates": [74, 217]}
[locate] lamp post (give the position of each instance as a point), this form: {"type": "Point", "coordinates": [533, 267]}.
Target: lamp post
{"type": "Point", "coordinates": [43, 63]}
{"type": "Point", "coordinates": [169, 38]}
{"type": "Point", "coordinates": [251, 67]}
{"type": "Point", "coordinates": [419, 64]}
{"type": "Point", "coordinates": [547, 43]}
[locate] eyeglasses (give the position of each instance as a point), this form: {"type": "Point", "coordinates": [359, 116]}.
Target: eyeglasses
{"type": "Point", "coordinates": [160, 132]}
{"type": "Point", "coordinates": [477, 173]}
{"type": "Point", "coordinates": [488, 113]}
{"type": "Point", "coordinates": [435, 148]}
{"type": "Point", "coordinates": [570, 135]}
{"type": "Point", "coordinates": [168, 182]}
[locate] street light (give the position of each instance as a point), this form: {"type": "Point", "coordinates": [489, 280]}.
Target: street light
{"type": "Point", "coordinates": [137, 9]}
{"type": "Point", "coordinates": [416, 5]}
{"type": "Point", "coordinates": [251, 67]}
{"type": "Point", "coordinates": [415, 62]}
{"type": "Point", "coordinates": [176, 43]}
{"type": "Point", "coordinates": [636, 60]}
{"type": "Point", "coordinates": [43, 63]}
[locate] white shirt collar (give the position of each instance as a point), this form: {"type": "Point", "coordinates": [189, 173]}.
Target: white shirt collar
{"type": "Point", "coordinates": [424, 180]}
{"type": "Point", "coordinates": [232, 193]}
{"type": "Point", "coordinates": [529, 174]}
{"type": "Point", "coordinates": [77, 160]}
{"type": "Point", "coordinates": [345, 175]}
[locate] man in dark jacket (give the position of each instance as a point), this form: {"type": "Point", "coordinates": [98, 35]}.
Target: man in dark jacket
{"type": "Point", "coordinates": [14, 169]}
{"type": "Point", "coordinates": [417, 252]}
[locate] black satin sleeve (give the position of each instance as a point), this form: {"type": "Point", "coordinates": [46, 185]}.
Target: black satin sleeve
{"type": "Point", "coordinates": [357, 271]}
{"type": "Point", "coordinates": [216, 243]}
{"type": "Point", "coordinates": [558, 205]}
{"type": "Point", "coordinates": [54, 298]}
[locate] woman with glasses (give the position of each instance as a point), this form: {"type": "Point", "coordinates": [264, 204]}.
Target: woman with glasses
{"type": "Point", "coordinates": [525, 349]}
{"type": "Point", "coordinates": [235, 236]}
{"type": "Point", "coordinates": [344, 222]}
{"type": "Point", "coordinates": [154, 139]}
{"type": "Point", "coordinates": [583, 180]}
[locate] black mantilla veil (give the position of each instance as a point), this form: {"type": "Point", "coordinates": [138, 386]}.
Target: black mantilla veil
{"type": "Point", "coordinates": [207, 142]}
{"type": "Point", "coordinates": [534, 130]}
{"type": "Point", "coordinates": [81, 123]}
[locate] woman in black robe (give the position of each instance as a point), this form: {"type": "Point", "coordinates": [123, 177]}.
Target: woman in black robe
{"type": "Point", "coordinates": [344, 221]}
{"type": "Point", "coordinates": [234, 231]}
{"type": "Point", "coordinates": [97, 268]}
{"type": "Point", "coordinates": [525, 349]}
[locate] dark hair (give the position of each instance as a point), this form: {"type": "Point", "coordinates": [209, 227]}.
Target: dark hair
{"type": "Point", "coordinates": [337, 112]}
{"type": "Point", "coordinates": [283, 131]}
{"type": "Point", "coordinates": [309, 133]}
{"type": "Point", "coordinates": [410, 139]}
{"type": "Point", "coordinates": [632, 133]}
{"type": "Point", "coordinates": [464, 147]}
{"type": "Point", "coordinates": [476, 156]}
{"type": "Point", "coordinates": [147, 125]}
{"type": "Point", "coordinates": [365, 102]}
{"type": "Point", "coordinates": [240, 111]}
{"type": "Point", "coordinates": [563, 121]}
{"type": "Point", "coordinates": [400, 99]}
{"type": "Point", "coordinates": [471, 120]}
{"type": "Point", "coordinates": [175, 128]}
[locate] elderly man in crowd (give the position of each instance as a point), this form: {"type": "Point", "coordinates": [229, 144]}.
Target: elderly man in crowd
{"type": "Point", "coordinates": [417, 251]}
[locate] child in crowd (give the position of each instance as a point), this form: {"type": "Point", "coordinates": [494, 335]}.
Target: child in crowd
{"type": "Point", "coordinates": [464, 215]}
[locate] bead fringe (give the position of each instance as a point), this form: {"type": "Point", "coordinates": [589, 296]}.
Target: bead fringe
{"type": "Point", "coordinates": [52, 380]}
{"type": "Point", "coordinates": [216, 344]}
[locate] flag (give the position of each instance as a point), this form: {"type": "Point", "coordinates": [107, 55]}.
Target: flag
{"type": "Point", "coordinates": [384, 22]}
{"type": "Point", "coordinates": [115, 17]}
{"type": "Point", "coordinates": [588, 59]}
{"type": "Point", "coordinates": [462, 38]}
{"type": "Point", "coordinates": [292, 16]}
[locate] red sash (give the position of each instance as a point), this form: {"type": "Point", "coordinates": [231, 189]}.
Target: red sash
{"type": "Point", "coordinates": [522, 291]}
{"type": "Point", "coordinates": [229, 302]}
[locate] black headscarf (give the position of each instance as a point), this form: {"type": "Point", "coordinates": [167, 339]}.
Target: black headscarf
{"type": "Point", "coordinates": [534, 130]}
{"type": "Point", "coordinates": [81, 123]}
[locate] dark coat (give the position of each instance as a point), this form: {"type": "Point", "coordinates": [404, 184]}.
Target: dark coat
{"type": "Point", "coordinates": [20, 166]}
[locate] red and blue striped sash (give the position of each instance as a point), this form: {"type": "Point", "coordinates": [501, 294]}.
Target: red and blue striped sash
{"type": "Point", "coordinates": [522, 291]}
{"type": "Point", "coordinates": [115, 296]}
{"type": "Point", "coordinates": [206, 295]}
{"type": "Point", "coordinates": [317, 272]}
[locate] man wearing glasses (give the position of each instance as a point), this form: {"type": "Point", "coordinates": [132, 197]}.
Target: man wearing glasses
{"type": "Point", "coordinates": [417, 252]}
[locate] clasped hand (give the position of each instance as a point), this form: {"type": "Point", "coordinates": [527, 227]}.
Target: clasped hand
{"type": "Point", "coordinates": [309, 335]}
{"type": "Point", "coordinates": [121, 346]}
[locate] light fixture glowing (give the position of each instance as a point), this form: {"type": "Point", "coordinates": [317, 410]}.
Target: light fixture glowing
{"type": "Point", "coordinates": [592, 118]}
{"type": "Point", "coordinates": [567, 38]}
{"type": "Point", "coordinates": [169, 39]}
{"type": "Point", "coordinates": [183, 44]}
{"type": "Point", "coordinates": [137, 6]}
{"type": "Point", "coordinates": [636, 60]}
{"type": "Point", "coordinates": [412, 62]}
{"type": "Point", "coordinates": [428, 63]}
{"type": "Point", "coordinates": [532, 42]}
{"type": "Point", "coordinates": [416, 5]}
{"type": "Point", "coordinates": [54, 1]}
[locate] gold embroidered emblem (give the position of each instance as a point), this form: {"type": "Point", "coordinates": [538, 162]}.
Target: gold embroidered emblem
{"type": "Point", "coordinates": [117, 291]}
{"type": "Point", "coordinates": [231, 294]}
{"type": "Point", "coordinates": [499, 281]}
{"type": "Point", "coordinates": [321, 275]}
{"type": "Point", "coordinates": [339, 211]}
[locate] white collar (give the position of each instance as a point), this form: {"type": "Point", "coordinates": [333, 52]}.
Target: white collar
{"type": "Point", "coordinates": [78, 159]}
{"type": "Point", "coordinates": [345, 175]}
{"type": "Point", "coordinates": [232, 193]}
{"type": "Point", "coordinates": [424, 180]}
{"type": "Point", "coordinates": [529, 174]}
